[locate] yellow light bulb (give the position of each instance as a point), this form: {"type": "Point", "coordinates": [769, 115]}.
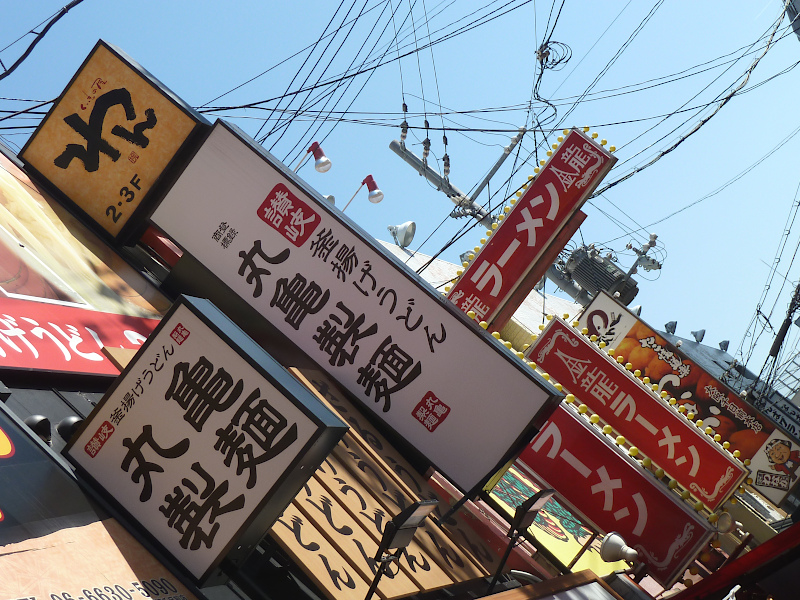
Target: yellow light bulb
{"type": "Point", "coordinates": [496, 335]}
{"type": "Point", "coordinates": [570, 398]}
{"type": "Point", "coordinates": [594, 419]}
{"type": "Point", "coordinates": [612, 148]}
{"type": "Point", "coordinates": [507, 344]}
{"type": "Point", "coordinates": [594, 135]}
{"type": "Point", "coordinates": [633, 451]}
{"type": "Point", "coordinates": [484, 324]}
{"type": "Point", "coordinates": [620, 440]}
{"type": "Point", "coordinates": [507, 209]}
{"type": "Point", "coordinates": [607, 429]}
{"type": "Point", "coordinates": [603, 142]}
{"type": "Point", "coordinates": [471, 314]}
{"type": "Point", "coordinates": [583, 409]}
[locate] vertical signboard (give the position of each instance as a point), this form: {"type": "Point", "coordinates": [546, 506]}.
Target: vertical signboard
{"type": "Point", "coordinates": [614, 493]}
{"type": "Point", "coordinates": [667, 438]}
{"type": "Point", "coordinates": [384, 334]}
{"type": "Point", "coordinates": [720, 408]}
{"type": "Point", "coordinates": [204, 438]}
{"type": "Point", "coordinates": [557, 192]}
{"type": "Point", "coordinates": [109, 136]}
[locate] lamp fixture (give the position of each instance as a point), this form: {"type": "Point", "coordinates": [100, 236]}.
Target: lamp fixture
{"type": "Point", "coordinates": [524, 516]}
{"type": "Point", "coordinates": [698, 335]}
{"type": "Point", "coordinates": [321, 162]}
{"type": "Point", "coordinates": [375, 195]}
{"type": "Point", "coordinates": [403, 234]}
{"type": "Point", "coordinates": [614, 548]}
{"type": "Point", "coordinates": [397, 535]}
{"type": "Point", "coordinates": [671, 327]}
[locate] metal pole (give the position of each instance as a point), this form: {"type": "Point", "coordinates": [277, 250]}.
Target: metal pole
{"type": "Point", "coordinates": [502, 564]}
{"type": "Point", "coordinates": [353, 198]}
{"type": "Point", "coordinates": [506, 151]}
{"type": "Point", "coordinates": [458, 197]}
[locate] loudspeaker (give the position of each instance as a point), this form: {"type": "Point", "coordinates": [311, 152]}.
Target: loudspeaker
{"type": "Point", "coordinates": [614, 548]}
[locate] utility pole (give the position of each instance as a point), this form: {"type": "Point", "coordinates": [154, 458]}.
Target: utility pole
{"type": "Point", "coordinates": [465, 206]}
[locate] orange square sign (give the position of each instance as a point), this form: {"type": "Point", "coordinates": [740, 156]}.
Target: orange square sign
{"type": "Point", "coordinates": [109, 137]}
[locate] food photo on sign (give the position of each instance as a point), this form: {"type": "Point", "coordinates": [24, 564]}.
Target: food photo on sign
{"type": "Point", "coordinates": [694, 389]}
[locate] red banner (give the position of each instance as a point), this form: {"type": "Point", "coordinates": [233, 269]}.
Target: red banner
{"type": "Point", "coordinates": [567, 179]}
{"type": "Point", "coordinates": [667, 438]}
{"type": "Point", "coordinates": [54, 337]}
{"type": "Point", "coordinates": [614, 493]}
{"type": "Point", "coordinates": [715, 403]}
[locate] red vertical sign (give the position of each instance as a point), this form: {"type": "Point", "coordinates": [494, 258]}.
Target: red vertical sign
{"type": "Point", "coordinates": [667, 438]}
{"type": "Point", "coordinates": [574, 170]}
{"type": "Point", "coordinates": [614, 494]}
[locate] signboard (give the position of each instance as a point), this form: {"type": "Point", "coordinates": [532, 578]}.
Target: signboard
{"type": "Point", "coordinates": [379, 330]}
{"type": "Point", "coordinates": [52, 543]}
{"type": "Point", "coordinates": [108, 138]}
{"type": "Point", "coordinates": [42, 336]}
{"type": "Point", "coordinates": [614, 493]}
{"type": "Point", "coordinates": [667, 438]}
{"type": "Point", "coordinates": [720, 408]}
{"type": "Point", "coordinates": [784, 413]}
{"type": "Point", "coordinates": [204, 439]}
{"type": "Point", "coordinates": [570, 175]}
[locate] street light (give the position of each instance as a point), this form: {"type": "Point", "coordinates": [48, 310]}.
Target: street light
{"type": "Point", "coordinates": [403, 234]}
{"type": "Point", "coordinates": [397, 535]}
{"type": "Point", "coordinates": [524, 517]}
{"type": "Point", "coordinates": [375, 195]}
{"type": "Point", "coordinates": [321, 162]}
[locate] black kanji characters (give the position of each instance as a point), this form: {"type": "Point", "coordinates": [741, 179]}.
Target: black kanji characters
{"type": "Point", "coordinates": [341, 344]}
{"type": "Point", "coordinates": [186, 514]}
{"type": "Point", "coordinates": [256, 272]}
{"type": "Point", "coordinates": [390, 369]}
{"type": "Point", "coordinates": [264, 426]}
{"type": "Point", "coordinates": [344, 262]}
{"type": "Point", "coordinates": [92, 131]}
{"type": "Point", "coordinates": [323, 245]}
{"type": "Point", "coordinates": [145, 467]}
{"type": "Point", "coordinates": [298, 298]}
{"type": "Point", "coordinates": [199, 392]}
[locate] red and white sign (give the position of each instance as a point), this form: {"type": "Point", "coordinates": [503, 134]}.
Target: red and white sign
{"type": "Point", "coordinates": [614, 493]}
{"type": "Point", "coordinates": [672, 442]}
{"type": "Point", "coordinates": [380, 331]}
{"type": "Point", "coordinates": [567, 179]}
{"type": "Point", "coordinates": [51, 337]}
{"type": "Point", "coordinates": [746, 428]}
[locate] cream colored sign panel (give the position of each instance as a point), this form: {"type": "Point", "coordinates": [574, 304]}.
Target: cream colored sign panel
{"type": "Point", "coordinates": [108, 139]}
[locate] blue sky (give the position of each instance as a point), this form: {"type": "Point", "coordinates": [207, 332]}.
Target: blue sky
{"type": "Point", "coordinates": [717, 253]}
